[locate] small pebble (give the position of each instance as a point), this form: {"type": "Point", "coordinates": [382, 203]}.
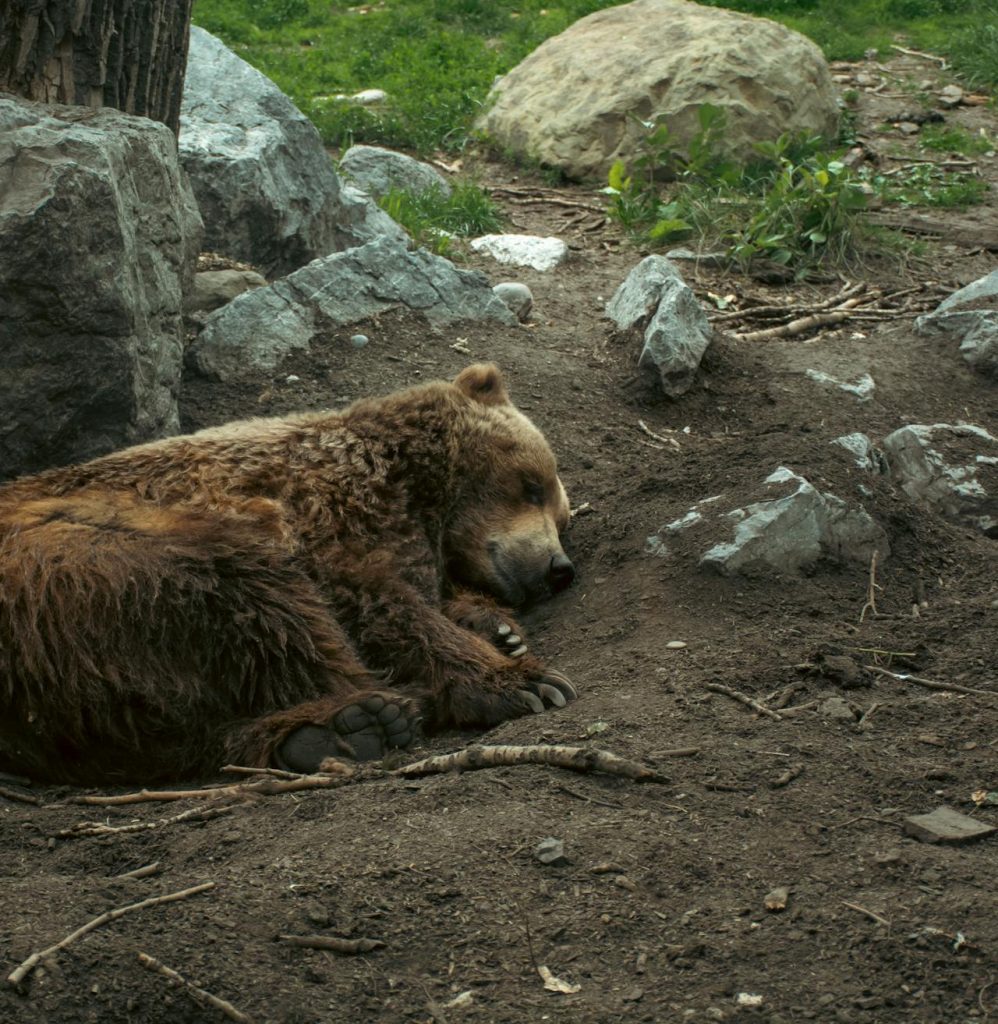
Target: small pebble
{"type": "Point", "coordinates": [675, 645]}
{"type": "Point", "coordinates": [358, 340]}
{"type": "Point", "coordinates": [550, 851]}
{"type": "Point", "coordinates": [292, 378]}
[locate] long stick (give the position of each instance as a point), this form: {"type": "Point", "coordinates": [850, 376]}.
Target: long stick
{"type": "Point", "coordinates": [199, 994]}
{"type": "Point", "coordinates": [97, 828]}
{"type": "Point", "coordinates": [20, 973]}
{"type": "Point", "coordinates": [576, 759]}
{"type": "Point", "coordinates": [333, 943]}
{"type": "Point", "coordinates": [744, 698]}
{"type": "Point", "coordinates": [266, 787]}
{"type": "Point", "coordinates": [929, 683]}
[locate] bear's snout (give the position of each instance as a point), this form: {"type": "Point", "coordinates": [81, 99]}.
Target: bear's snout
{"type": "Point", "coordinates": [561, 573]}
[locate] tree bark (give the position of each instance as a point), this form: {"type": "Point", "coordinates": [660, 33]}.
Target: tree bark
{"type": "Point", "coordinates": [128, 54]}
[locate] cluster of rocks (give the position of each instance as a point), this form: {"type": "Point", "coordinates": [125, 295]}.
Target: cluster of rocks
{"type": "Point", "coordinates": [92, 346]}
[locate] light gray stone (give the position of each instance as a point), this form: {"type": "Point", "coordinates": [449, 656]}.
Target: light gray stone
{"type": "Point", "coordinates": [523, 250]}
{"type": "Point", "coordinates": [984, 288]}
{"type": "Point", "coordinates": [266, 187]}
{"type": "Point", "coordinates": [962, 483]}
{"type": "Point", "coordinates": [794, 530]}
{"type": "Point", "coordinates": [214, 288]}
{"type": "Point", "coordinates": [570, 103]}
{"type": "Point", "coordinates": [377, 171]}
{"type": "Point", "coordinates": [866, 455]}
{"type": "Point", "coordinates": [947, 825]}
{"type": "Point", "coordinates": [99, 234]}
{"type": "Point", "coordinates": [979, 346]}
{"type": "Point", "coordinates": [260, 327]}
{"type": "Point", "coordinates": [676, 330]}
{"type": "Point", "coordinates": [863, 388]}
{"type": "Point", "coordinates": [517, 297]}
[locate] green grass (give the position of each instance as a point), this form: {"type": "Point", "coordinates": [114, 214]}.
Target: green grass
{"type": "Point", "coordinates": [947, 138]}
{"type": "Point", "coordinates": [436, 59]}
{"type": "Point", "coordinates": [433, 218]}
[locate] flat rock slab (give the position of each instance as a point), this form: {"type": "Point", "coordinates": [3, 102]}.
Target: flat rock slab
{"type": "Point", "coordinates": [944, 825]}
{"type": "Point", "coordinates": [523, 250]}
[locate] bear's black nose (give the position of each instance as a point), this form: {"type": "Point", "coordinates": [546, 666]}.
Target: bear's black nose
{"type": "Point", "coordinates": [560, 573]}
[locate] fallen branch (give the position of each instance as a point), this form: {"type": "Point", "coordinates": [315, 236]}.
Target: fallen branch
{"type": "Point", "coordinates": [21, 798]}
{"type": "Point", "coordinates": [239, 791]}
{"type": "Point", "coordinates": [20, 973]}
{"type": "Point", "coordinates": [333, 943]}
{"type": "Point", "coordinates": [941, 61]}
{"type": "Point", "coordinates": [744, 698]}
{"type": "Point", "coordinates": [658, 437]}
{"type": "Point", "coordinates": [97, 828]}
{"type": "Point", "coordinates": [199, 995]}
{"type": "Point", "coordinates": [931, 684]}
{"type": "Point", "coordinates": [796, 326]}
{"type": "Point", "coordinates": [576, 759]}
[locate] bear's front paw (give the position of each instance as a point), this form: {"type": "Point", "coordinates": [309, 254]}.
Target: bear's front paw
{"type": "Point", "coordinates": [491, 623]}
{"type": "Point", "coordinates": [524, 688]}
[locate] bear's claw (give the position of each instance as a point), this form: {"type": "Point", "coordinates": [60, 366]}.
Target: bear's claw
{"type": "Point", "coordinates": [364, 731]}
{"type": "Point", "coordinates": [551, 690]}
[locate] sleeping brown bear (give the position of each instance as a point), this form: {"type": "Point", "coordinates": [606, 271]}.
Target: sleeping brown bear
{"type": "Point", "coordinates": [279, 591]}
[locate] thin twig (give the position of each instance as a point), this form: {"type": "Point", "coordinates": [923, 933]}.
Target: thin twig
{"type": "Point", "coordinates": [97, 828]}
{"type": "Point", "coordinates": [333, 943]}
{"type": "Point", "coordinates": [931, 684]}
{"type": "Point", "coordinates": [871, 590]}
{"type": "Point", "coordinates": [658, 437]}
{"type": "Point", "coordinates": [266, 787]}
{"type": "Point", "coordinates": [198, 994]}
{"type": "Point", "coordinates": [20, 973]}
{"type": "Point", "coordinates": [941, 61]}
{"type": "Point", "coordinates": [744, 698]}
{"type": "Point", "coordinates": [144, 872]}
{"type": "Point", "coordinates": [576, 759]}
{"type": "Point", "coordinates": [869, 913]}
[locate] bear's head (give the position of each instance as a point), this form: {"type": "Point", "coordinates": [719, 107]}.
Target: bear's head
{"type": "Point", "coordinates": [503, 535]}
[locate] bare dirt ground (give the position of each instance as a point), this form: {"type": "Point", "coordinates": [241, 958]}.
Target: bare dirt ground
{"type": "Point", "coordinates": [658, 912]}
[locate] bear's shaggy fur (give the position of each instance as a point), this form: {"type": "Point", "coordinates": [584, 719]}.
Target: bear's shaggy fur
{"type": "Point", "coordinates": [279, 591]}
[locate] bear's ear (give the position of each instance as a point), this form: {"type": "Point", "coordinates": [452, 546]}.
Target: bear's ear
{"type": "Point", "coordinates": [483, 383]}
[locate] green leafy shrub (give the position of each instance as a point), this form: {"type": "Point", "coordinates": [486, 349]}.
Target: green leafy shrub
{"type": "Point", "coordinates": [794, 204]}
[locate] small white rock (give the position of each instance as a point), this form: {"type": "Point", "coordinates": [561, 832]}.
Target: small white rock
{"type": "Point", "coordinates": [368, 96]}
{"type": "Point", "coordinates": [358, 340]}
{"type": "Point", "coordinates": [675, 645]}
{"type": "Point", "coordinates": [523, 250]}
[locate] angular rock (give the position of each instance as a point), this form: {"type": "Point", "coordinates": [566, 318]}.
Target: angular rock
{"type": "Point", "coordinates": [951, 468]}
{"type": "Point", "coordinates": [523, 250]}
{"type": "Point", "coordinates": [676, 330]}
{"type": "Point", "coordinates": [569, 103]}
{"type": "Point", "coordinates": [263, 180]}
{"type": "Point", "coordinates": [794, 530]}
{"type": "Point", "coordinates": [946, 825]}
{"type": "Point", "coordinates": [867, 456]}
{"type": "Point", "coordinates": [99, 235]}
{"type": "Point", "coordinates": [377, 171]}
{"type": "Point", "coordinates": [970, 317]}
{"type": "Point", "coordinates": [214, 288]}
{"type": "Point", "coordinates": [259, 327]}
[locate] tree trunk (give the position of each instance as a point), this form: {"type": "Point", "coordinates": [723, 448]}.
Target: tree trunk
{"type": "Point", "coordinates": [129, 54]}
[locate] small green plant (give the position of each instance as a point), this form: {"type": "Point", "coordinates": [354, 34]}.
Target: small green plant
{"type": "Point", "coordinates": [953, 139]}
{"type": "Point", "coordinates": [928, 185]}
{"type": "Point", "coordinates": [434, 218]}
{"type": "Point", "coordinates": [793, 204]}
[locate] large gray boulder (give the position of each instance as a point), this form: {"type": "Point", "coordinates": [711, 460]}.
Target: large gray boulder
{"type": "Point", "coordinates": [259, 327]}
{"type": "Point", "coordinates": [567, 103]}
{"type": "Point", "coordinates": [99, 233]}
{"type": "Point", "coordinates": [266, 187]}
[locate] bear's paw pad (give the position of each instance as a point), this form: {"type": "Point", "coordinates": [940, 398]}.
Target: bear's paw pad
{"type": "Point", "coordinates": [364, 731]}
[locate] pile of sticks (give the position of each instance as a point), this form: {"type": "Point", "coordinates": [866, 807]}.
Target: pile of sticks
{"type": "Point", "coordinates": [854, 302]}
